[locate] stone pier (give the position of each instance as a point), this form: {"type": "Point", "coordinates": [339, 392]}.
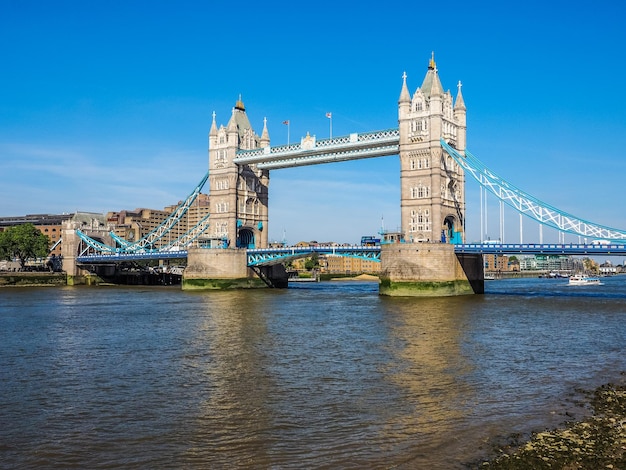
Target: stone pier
{"type": "Point", "coordinates": [429, 270]}
{"type": "Point", "coordinates": [226, 268]}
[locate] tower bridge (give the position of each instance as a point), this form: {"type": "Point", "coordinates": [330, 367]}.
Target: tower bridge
{"type": "Point", "coordinates": [229, 248]}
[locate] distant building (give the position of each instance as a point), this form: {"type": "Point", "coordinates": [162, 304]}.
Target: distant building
{"type": "Point", "coordinates": [52, 224]}
{"type": "Point", "coordinates": [546, 263]}
{"type": "Point", "coordinates": [500, 263]}
{"type": "Point", "coordinates": [336, 264]}
{"type": "Point", "coordinates": [607, 269]}
{"type": "Point", "coordinates": [200, 208]}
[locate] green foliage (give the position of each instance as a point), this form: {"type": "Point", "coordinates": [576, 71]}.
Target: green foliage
{"type": "Point", "coordinates": [23, 242]}
{"type": "Point", "coordinates": [312, 262]}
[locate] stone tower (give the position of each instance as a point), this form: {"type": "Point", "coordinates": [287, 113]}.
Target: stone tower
{"type": "Point", "coordinates": [432, 195]}
{"type": "Point", "coordinates": [239, 193]}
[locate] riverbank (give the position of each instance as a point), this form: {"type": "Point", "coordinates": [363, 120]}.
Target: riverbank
{"type": "Point", "coordinates": [360, 277]}
{"type": "Point", "coordinates": [32, 279]}
{"type": "Point", "coordinates": [595, 442]}
{"type": "Point", "coordinates": [130, 278]}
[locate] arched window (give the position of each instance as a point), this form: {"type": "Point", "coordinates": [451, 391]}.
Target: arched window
{"type": "Point", "coordinates": [413, 222]}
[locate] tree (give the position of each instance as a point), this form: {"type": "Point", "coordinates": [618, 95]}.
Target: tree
{"type": "Point", "coordinates": [312, 262]}
{"type": "Point", "coordinates": [23, 242]}
{"type": "Point", "coordinates": [590, 265]}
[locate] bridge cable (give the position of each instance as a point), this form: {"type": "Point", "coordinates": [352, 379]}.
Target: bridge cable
{"type": "Point", "coordinates": [527, 204]}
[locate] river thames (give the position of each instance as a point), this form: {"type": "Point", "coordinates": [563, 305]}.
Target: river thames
{"type": "Point", "coordinates": [320, 375]}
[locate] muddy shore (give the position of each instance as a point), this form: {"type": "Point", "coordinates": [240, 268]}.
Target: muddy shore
{"type": "Point", "coordinates": [597, 441]}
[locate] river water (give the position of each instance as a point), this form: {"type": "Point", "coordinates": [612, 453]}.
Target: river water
{"type": "Point", "coordinates": [326, 375]}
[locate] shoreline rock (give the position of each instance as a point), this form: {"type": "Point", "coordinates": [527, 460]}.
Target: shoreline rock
{"type": "Point", "coordinates": [597, 441]}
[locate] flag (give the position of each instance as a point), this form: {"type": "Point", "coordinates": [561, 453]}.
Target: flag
{"type": "Point", "coordinates": [329, 115]}
{"type": "Point", "coordinates": [286, 123]}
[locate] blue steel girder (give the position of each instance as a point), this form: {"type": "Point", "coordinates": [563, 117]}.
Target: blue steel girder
{"type": "Point", "coordinates": [164, 228]}
{"type": "Point", "coordinates": [351, 147]}
{"type": "Point", "coordinates": [145, 244]}
{"type": "Point", "coordinates": [570, 249]}
{"type": "Point", "coordinates": [270, 256]}
{"type": "Point", "coordinates": [528, 205]}
{"type": "Point", "coordinates": [190, 236]}
{"type": "Point", "coordinates": [95, 244]}
{"type": "Point", "coordinates": [117, 257]}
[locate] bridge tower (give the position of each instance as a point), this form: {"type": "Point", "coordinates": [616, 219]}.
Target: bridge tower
{"type": "Point", "coordinates": [432, 184]}
{"type": "Point", "coordinates": [239, 193]}
{"type": "Point", "coordinates": [239, 212]}
{"type": "Point", "coordinates": [432, 198]}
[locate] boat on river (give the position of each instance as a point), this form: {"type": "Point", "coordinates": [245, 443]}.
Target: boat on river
{"type": "Point", "coordinates": [583, 280]}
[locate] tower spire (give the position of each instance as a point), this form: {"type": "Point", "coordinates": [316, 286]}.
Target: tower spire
{"type": "Point", "coordinates": [431, 63]}
{"type": "Point", "coordinates": [459, 103]}
{"type": "Point", "coordinates": [404, 93]}
{"type": "Point", "coordinates": [265, 135]}
{"type": "Point", "coordinates": [431, 86]}
{"type": "Point", "coordinates": [239, 104]}
{"type": "Point", "coordinates": [213, 130]}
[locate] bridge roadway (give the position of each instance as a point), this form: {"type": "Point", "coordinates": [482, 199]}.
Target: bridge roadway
{"type": "Point", "coordinates": [269, 256]}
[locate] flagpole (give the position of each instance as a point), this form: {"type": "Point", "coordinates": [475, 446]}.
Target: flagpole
{"type": "Point", "coordinates": [287, 123]}
{"type": "Point", "coordinates": [331, 126]}
{"type": "Point", "coordinates": [330, 117]}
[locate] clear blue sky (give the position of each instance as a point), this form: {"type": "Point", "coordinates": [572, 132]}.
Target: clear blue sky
{"type": "Point", "coordinates": [107, 105]}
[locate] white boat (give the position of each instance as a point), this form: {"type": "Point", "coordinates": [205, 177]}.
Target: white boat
{"type": "Point", "coordinates": [582, 280]}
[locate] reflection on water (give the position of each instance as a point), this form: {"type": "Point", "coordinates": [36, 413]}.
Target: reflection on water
{"type": "Point", "coordinates": [233, 365]}
{"type": "Point", "coordinates": [428, 367]}
{"type": "Point", "coordinates": [326, 375]}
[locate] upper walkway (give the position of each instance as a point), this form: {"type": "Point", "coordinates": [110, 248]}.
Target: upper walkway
{"type": "Point", "coordinates": [311, 151]}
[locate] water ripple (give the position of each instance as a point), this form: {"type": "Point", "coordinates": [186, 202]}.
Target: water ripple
{"type": "Point", "coordinates": [325, 375]}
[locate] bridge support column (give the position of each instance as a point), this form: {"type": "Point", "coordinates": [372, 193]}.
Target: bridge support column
{"type": "Point", "coordinates": [429, 270]}
{"type": "Point", "coordinates": [216, 268]}
{"type": "Point", "coordinates": [69, 250]}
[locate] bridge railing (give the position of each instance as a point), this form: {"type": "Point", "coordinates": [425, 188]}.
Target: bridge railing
{"type": "Point", "coordinates": [543, 248]}
{"type": "Point", "coordinates": [267, 256]}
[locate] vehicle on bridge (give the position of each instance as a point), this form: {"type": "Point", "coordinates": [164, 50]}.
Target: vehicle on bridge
{"type": "Point", "coordinates": [370, 241]}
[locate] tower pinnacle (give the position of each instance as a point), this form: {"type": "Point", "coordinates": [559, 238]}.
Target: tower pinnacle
{"type": "Point", "coordinates": [265, 135]}
{"type": "Point", "coordinates": [460, 103]}
{"type": "Point", "coordinates": [239, 104]}
{"type": "Point", "coordinates": [404, 93]}
{"type": "Point", "coordinates": [213, 130]}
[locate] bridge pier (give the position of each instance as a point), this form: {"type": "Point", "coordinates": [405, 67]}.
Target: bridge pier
{"type": "Point", "coordinates": [227, 268]}
{"type": "Point", "coordinates": [429, 270]}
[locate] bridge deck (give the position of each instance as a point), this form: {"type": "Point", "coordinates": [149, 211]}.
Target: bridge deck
{"type": "Point", "coordinates": [268, 256]}
{"type": "Point", "coordinates": [545, 248]}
